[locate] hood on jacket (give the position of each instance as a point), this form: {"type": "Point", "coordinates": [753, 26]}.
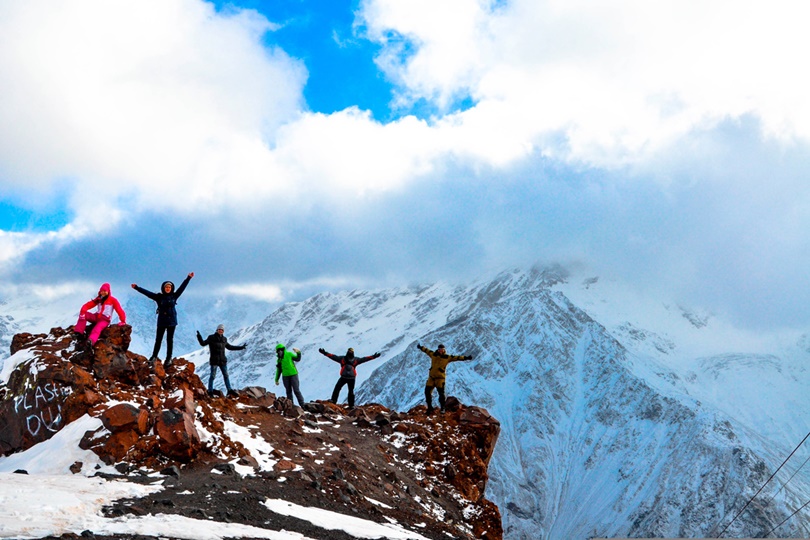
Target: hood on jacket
{"type": "Point", "coordinates": [162, 285]}
{"type": "Point", "coordinates": [105, 287]}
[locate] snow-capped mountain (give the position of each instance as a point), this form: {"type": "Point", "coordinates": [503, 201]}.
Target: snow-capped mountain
{"type": "Point", "coordinates": [622, 413]}
{"type": "Point", "coordinates": [609, 429]}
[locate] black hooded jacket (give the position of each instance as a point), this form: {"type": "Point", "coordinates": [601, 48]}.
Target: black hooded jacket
{"type": "Point", "coordinates": [166, 302]}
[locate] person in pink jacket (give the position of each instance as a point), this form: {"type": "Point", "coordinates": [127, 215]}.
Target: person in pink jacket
{"type": "Point", "coordinates": [100, 318]}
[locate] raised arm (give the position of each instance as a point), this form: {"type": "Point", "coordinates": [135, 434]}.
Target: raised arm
{"type": "Point", "coordinates": [182, 286]}
{"type": "Point", "coordinates": [200, 339]}
{"type": "Point", "coordinates": [148, 294]}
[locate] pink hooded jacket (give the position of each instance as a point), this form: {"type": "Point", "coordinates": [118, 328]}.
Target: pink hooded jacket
{"type": "Point", "coordinates": [106, 306]}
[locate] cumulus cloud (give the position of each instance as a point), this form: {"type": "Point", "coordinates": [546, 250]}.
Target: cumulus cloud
{"type": "Point", "coordinates": [617, 81]}
{"type": "Point", "coordinates": [149, 101]}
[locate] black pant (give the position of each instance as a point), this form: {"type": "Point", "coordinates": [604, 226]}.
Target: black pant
{"type": "Point", "coordinates": [341, 382]}
{"type": "Point", "coordinates": [291, 386]}
{"type": "Point", "coordinates": [169, 330]}
{"type": "Point", "coordinates": [429, 396]}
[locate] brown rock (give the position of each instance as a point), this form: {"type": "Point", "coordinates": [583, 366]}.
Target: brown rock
{"type": "Point", "coordinates": [69, 374]}
{"type": "Point", "coordinates": [182, 399]}
{"type": "Point", "coordinates": [284, 465]}
{"type": "Point", "coordinates": [79, 403]}
{"type": "Point", "coordinates": [24, 340]}
{"type": "Point", "coordinates": [117, 445]}
{"type": "Point", "coordinates": [125, 417]}
{"type": "Point", "coordinates": [177, 436]}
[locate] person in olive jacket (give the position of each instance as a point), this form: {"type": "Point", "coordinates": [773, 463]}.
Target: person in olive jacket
{"type": "Point", "coordinates": [285, 368]}
{"type": "Point", "coordinates": [348, 372]}
{"type": "Point", "coordinates": [436, 377]}
{"type": "Point", "coordinates": [166, 301]}
{"type": "Point", "coordinates": [217, 343]}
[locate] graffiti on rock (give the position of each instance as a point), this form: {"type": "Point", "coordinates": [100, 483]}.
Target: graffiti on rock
{"type": "Point", "coordinates": [42, 407]}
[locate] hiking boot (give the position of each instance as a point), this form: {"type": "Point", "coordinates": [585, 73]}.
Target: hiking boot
{"type": "Point", "coordinates": [233, 394]}
{"type": "Point", "coordinates": [168, 364]}
{"type": "Point", "coordinates": [442, 410]}
{"type": "Point", "coordinates": [430, 411]}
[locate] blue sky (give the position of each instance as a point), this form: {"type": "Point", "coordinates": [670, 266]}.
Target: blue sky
{"type": "Point", "coordinates": [281, 148]}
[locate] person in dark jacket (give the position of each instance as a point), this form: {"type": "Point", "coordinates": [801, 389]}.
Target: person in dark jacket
{"type": "Point", "coordinates": [217, 343]}
{"type": "Point", "coordinates": [166, 301]}
{"type": "Point", "coordinates": [348, 372]}
{"type": "Point", "coordinates": [436, 377]}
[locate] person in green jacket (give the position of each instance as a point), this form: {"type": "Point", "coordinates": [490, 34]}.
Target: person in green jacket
{"type": "Point", "coordinates": [436, 378]}
{"type": "Point", "coordinates": [285, 368]}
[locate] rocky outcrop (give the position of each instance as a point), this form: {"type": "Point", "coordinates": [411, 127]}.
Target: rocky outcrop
{"type": "Point", "coordinates": [428, 471]}
{"type": "Point", "coordinates": [60, 379]}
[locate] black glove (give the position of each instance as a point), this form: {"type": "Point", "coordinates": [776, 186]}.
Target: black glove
{"type": "Point", "coordinates": [376, 355]}
{"type": "Point", "coordinates": [322, 350]}
{"type": "Point", "coordinates": [468, 357]}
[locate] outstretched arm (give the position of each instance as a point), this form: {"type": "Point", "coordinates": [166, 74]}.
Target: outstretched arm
{"type": "Point", "coordinates": [200, 339]}
{"type": "Point", "coordinates": [148, 294]}
{"type": "Point", "coordinates": [235, 347]}
{"type": "Point", "coordinates": [329, 355]}
{"type": "Point", "coordinates": [182, 286]}
{"type": "Point", "coordinates": [367, 358]}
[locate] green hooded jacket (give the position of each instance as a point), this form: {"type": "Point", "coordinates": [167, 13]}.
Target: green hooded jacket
{"type": "Point", "coordinates": [286, 364]}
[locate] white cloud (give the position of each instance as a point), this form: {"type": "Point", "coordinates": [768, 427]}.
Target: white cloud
{"type": "Point", "coordinates": [618, 79]}
{"type": "Point", "coordinates": [257, 291]}
{"type": "Point", "coordinates": [283, 290]}
{"type": "Point", "coordinates": [154, 100]}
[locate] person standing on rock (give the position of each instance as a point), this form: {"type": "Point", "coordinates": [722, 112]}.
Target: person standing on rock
{"type": "Point", "coordinates": [104, 305]}
{"type": "Point", "coordinates": [348, 372]}
{"type": "Point", "coordinates": [166, 301]}
{"type": "Point", "coordinates": [285, 368]}
{"type": "Point", "coordinates": [436, 377]}
{"type": "Point", "coordinates": [217, 343]}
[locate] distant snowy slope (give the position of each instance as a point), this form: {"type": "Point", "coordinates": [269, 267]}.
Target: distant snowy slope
{"type": "Point", "coordinates": [587, 447]}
